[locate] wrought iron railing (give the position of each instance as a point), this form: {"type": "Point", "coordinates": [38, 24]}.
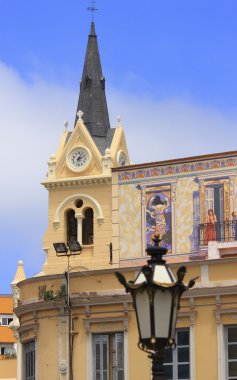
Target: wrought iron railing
{"type": "Point", "coordinates": [225, 231]}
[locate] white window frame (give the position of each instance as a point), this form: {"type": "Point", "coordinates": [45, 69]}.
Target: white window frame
{"type": "Point", "coordinates": [106, 337]}
{"type": "Point", "coordinates": [227, 327]}
{"type": "Point", "coordinates": [5, 346]}
{"type": "Point", "coordinates": [175, 362]}
{"type": "Point", "coordinates": [5, 316]}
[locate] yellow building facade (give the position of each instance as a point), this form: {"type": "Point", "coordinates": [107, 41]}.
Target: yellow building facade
{"type": "Point", "coordinates": [7, 340]}
{"type": "Point", "coordinates": [113, 209]}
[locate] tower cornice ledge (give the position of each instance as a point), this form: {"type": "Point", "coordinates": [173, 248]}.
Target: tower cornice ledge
{"type": "Point", "coordinates": [53, 184]}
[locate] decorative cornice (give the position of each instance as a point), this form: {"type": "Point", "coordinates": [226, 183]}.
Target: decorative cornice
{"type": "Point", "coordinates": [80, 300]}
{"type": "Point", "coordinates": [74, 182]}
{"type": "Point", "coordinates": [230, 312]}
{"type": "Point", "coordinates": [212, 167]}
{"type": "Point", "coordinates": [211, 290]}
{"type": "Point", "coordinates": [179, 160]}
{"type": "Point", "coordinates": [29, 331]}
{"type": "Point", "coordinates": [105, 320]}
{"type": "Point", "coordinates": [226, 173]}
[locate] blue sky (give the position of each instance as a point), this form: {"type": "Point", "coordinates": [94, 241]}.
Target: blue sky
{"type": "Point", "coordinates": [170, 69]}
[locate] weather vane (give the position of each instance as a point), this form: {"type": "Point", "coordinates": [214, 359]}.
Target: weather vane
{"type": "Point", "coordinates": [92, 8]}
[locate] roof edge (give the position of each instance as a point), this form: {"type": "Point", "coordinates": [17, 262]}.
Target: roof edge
{"type": "Point", "coordinates": [176, 161]}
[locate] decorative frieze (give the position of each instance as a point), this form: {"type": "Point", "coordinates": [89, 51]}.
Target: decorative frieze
{"type": "Point", "coordinates": [178, 169]}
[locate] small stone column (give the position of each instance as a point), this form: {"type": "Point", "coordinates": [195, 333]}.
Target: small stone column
{"type": "Point", "coordinates": [79, 218]}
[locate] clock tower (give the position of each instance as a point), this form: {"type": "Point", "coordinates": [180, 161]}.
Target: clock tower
{"type": "Point", "coordinates": [79, 179]}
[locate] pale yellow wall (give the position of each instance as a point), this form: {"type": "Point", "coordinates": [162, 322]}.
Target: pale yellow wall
{"type": "Point", "coordinates": [223, 272]}
{"type": "Point", "coordinates": [184, 213]}
{"type": "Point", "coordinates": [8, 369]}
{"type": "Point", "coordinates": [206, 344]}
{"type": "Point", "coordinates": [139, 366]}
{"type": "Point", "coordinates": [47, 352]}
{"type": "Point", "coordinates": [95, 256]}
{"type": "Point", "coordinates": [130, 221]}
{"type": "Point", "coordinates": [198, 309]}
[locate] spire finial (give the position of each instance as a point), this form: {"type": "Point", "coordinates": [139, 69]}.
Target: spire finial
{"type": "Point", "coordinates": [80, 114]}
{"type": "Point", "coordinates": [92, 8]}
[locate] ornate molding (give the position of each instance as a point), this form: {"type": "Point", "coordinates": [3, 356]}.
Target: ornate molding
{"type": "Point", "coordinates": [75, 182]}
{"type": "Point", "coordinates": [28, 332]}
{"type": "Point", "coordinates": [188, 314]}
{"type": "Point", "coordinates": [95, 204]}
{"type": "Point", "coordinates": [219, 312]}
{"type": "Point", "coordinates": [62, 366]}
{"type": "Point", "coordinates": [213, 167]}
{"type": "Point", "coordinates": [105, 321]}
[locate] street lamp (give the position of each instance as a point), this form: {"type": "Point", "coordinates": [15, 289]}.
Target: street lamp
{"type": "Point", "coordinates": [72, 248]}
{"type": "Point", "coordinates": [156, 299]}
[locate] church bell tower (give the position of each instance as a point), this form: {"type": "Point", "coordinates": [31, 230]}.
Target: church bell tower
{"type": "Point", "coordinates": [79, 179]}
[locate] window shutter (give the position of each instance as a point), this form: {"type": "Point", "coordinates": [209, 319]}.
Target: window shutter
{"type": "Point", "coordinates": [101, 357]}
{"type": "Point", "coordinates": [119, 357]}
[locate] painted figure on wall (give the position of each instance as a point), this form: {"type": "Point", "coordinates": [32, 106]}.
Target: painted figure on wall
{"type": "Point", "coordinates": [211, 226]}
{"type": "Point", "coordinates": [158, 216]}
{"type": "Point", "coordinates": [234, 225]}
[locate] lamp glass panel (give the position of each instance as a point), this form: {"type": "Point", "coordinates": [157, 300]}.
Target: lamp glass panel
{"type": "Point", "coordinates": [162, 310]}
{"type": "Point", "coordinates": [175, 313]}
{"type": "Point", "coordinates": [161, 275]}
{"type": "Point", "coordinates": [143, 314]}
{"type": "Point", "coordinates": [140, 279]}
{"type": "Point", "coordinates": [171, 274]}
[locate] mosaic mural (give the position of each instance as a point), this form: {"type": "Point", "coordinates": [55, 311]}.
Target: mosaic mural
{"type": "Point", "coordinates": [158, 215]}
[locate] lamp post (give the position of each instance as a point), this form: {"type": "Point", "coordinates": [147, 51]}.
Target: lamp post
{"type": "Point", "coordinates": [71, 249]}
{"type": "Point", "coordinates": [156, 297]}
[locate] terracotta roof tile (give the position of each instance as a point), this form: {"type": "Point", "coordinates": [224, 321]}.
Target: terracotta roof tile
{"type": "Point", "coordinates": [6, 335]}
{"type": "Point", "coordinates": [6, 304]}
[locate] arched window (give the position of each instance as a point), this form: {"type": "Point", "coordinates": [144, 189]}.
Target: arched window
{"type": "Point", "coordinates": [87, 227]}
{"type": "Point", "coordinates": [71, 226]}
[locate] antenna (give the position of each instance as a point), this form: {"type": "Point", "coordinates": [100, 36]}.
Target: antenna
{"type": "Point", "coordinates": [92, 8]}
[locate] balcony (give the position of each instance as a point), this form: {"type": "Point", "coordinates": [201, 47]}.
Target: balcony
{"type": "Point", "coordinates": [225, 231]}
{"type": "Point", "coordinates": [220, 239]}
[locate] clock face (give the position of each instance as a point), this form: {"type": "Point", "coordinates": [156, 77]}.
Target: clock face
{"type": "Point", "coordinates": [79, 158]}
{"type": "Point", "coordinates": [122, 159]}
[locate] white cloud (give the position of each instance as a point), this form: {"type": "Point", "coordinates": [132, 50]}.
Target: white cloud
{"type": "Point", "coordinates": [161, 130]}
{"type": "Point", "coordinates": [32, 116]}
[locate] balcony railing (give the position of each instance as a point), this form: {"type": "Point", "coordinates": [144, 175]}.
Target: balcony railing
{"type": "Point", "coordinates": [225, 231]}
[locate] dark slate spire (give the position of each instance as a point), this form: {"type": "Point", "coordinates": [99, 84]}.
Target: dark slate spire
{"type": "Point", "coordinates": [92, 99]}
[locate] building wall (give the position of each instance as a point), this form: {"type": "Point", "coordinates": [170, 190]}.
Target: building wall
{"type": "Point", "coordinates": [168, 198]}
{"type": "Point", "coordinates": [180, 187]}
{"type": "Point", "coordinates": [7, 365]}
{"type": "Point", "coordinates": [100, 305]}
{"type": "Point", "coordinates": [96, 255]}
{"type": "Point", "coordinates": [8, 369]}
